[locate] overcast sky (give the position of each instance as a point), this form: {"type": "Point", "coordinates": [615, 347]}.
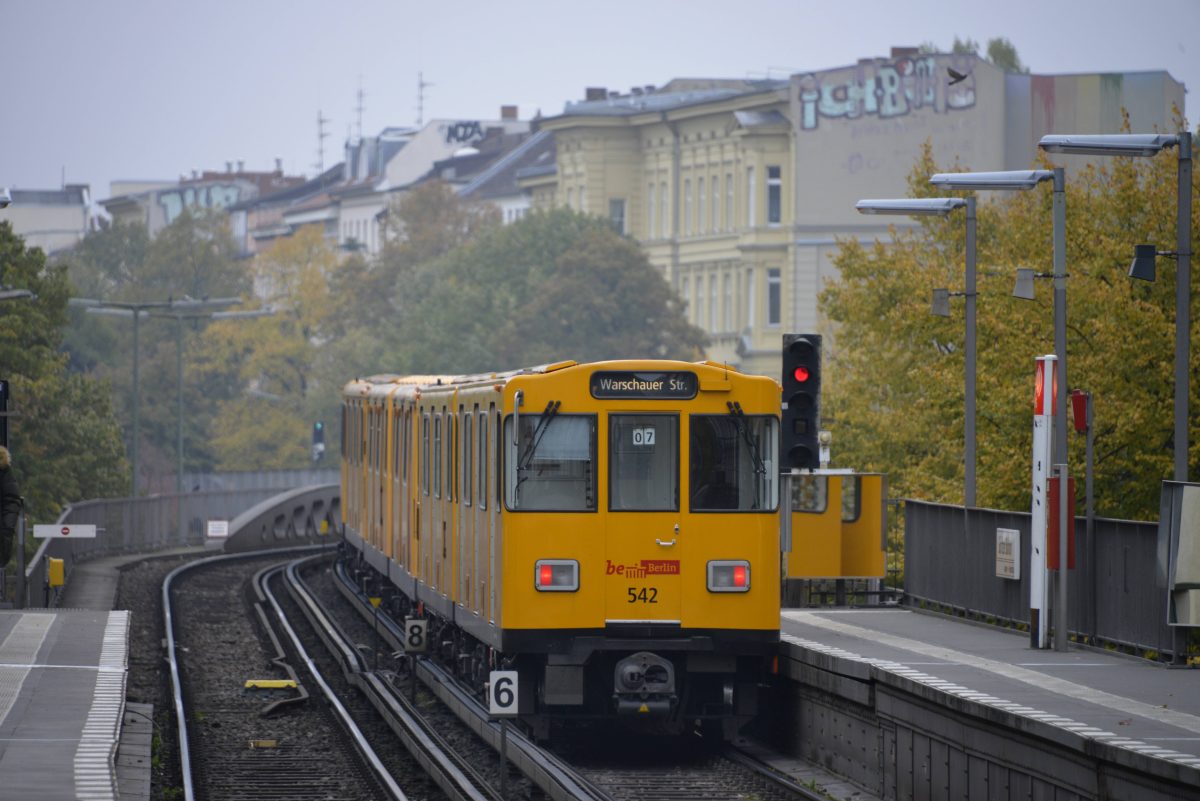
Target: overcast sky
{"type": "Point", "coordinates": [152, 89]}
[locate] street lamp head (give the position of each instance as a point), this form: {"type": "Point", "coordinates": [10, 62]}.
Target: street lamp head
{"type": "Point", "coordinates": [927, 206]}
{"type": "Point", "coordinates": [941, 303]}
{"type": "Point", "coordinates": [5, 198]}
{"type": "Point", "coordinates": [1107, 144]}
{"type": "Point", "coordinates": [1023, 288]}
{"type": "Point", "coordinates": [1143, 262]}
{"type": "Point", "coordinates": [1008, 179]}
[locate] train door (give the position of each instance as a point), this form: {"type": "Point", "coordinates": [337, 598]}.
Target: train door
{"type": "Point", "coordinates": [424, 499]}
{"type": "Point", "coordinates": [479, 561]}
{"type": "Point", "coordinates": [645, 543]}
{"type": "Point", "coordinates": [816, 528]}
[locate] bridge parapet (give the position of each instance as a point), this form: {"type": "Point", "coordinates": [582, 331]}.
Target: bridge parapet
{"type": "Point", "coordinates": [303, 515]}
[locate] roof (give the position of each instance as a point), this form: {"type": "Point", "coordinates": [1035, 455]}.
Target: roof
{"type": "Point", "coordinates": [760, 119]}
{"type": "Point", "coordinates": [500, 179]}
{"type": "Point", "coordinates": [292, 194]}
{"type": "Point", "coordinates": [626, 105]}
{"type": "Point", "coordinates": [69, 195]}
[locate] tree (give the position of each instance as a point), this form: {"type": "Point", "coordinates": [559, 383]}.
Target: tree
{"type": "Point", "coordinates": [896, 373]}
{"type": "Point", "coordinates": [64, 437]}
{"type": "Point", "coordinates": [555, 285]}
{"type": "Point", "coordinates": [1003, 54]}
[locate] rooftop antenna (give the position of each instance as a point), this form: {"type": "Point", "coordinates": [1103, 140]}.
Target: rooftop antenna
{"type": "Point", "coordinates": [321, 134]}
{"type": "Point", "coordinates": [421, 84]}
{"type": "Point", "coordinates": [359, 107]}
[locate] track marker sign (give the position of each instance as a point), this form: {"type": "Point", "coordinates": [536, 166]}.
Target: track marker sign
{"type": "Point", "coordinates": [54, 531]}
{"type": "Point", "coordinates": [502, 693]}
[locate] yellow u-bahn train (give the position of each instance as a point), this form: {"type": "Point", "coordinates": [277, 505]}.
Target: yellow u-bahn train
{"type": "Point", "coordinates": [609, 530]}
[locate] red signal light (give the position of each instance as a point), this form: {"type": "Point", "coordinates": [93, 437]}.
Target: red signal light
{"type": "Point", "coordinates": [546, 575]}
{"type": "Point", "coordinates": [800, 374]}
{"type": "Point", "coordinates": [739, 576]}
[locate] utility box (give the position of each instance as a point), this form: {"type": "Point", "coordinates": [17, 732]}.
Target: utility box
{"type": "Point", "coordinates": [54, 572]}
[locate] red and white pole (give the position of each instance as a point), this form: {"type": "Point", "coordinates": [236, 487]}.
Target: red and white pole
{"type": "Point", "coordinates": [1045, 390]}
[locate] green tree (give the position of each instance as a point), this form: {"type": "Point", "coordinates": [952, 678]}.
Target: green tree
{"type": "Point", "coordinates": [552, 286]}
{"type": "Point", "coordinates": [896, 373]}
{"type": "Point", "coordinates": [1003, 54]}
{"type": "Point", "coordinates": [65, 442]}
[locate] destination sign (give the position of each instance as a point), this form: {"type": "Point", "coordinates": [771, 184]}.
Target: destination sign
{"type": "Point", "coordinates": [669, 386]}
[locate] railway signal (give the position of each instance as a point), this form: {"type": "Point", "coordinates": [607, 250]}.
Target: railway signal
{"type": "Point", "coordinates": [798, 445]}
{"type": "Point", "coordinates": [318, 441]}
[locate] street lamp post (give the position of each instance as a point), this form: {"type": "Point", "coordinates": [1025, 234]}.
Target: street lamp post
{"type": "Point", "coordinates": [1025, 180]}
{"type": "Point", "coordinates": [137, 310]}
{"type": "Point", "coordinates": [180, 312]}
{"type": "Point", "coordinates": [942, 207]}
{"type": "Point", "coordinates": [1150, 145]}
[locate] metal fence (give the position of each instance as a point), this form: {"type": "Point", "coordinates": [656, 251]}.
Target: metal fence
{"type": "Point", "coordinates": [1114, 593]}
{"type": "Point", "coordinates": [276, 479]}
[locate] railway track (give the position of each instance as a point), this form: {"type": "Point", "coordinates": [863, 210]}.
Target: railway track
{"type": "Point", "coordinates": [356, 725]}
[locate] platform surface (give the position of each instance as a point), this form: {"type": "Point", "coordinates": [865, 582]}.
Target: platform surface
{"type": "Point", "coordinates": [62, 693]}
{"type": "Point", "coordinates": [1110, 698]}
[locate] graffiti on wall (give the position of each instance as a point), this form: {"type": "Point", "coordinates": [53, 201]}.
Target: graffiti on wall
{"type": "Point", "coordinates": [207, 196]}
{"type": "Point", "coordinates": [886, 90]}
{"type": "Point", "coordinates": [463, 132]}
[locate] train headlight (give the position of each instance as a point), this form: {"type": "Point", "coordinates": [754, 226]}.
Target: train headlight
{"type": "Point", "coordinates": [556, 575]}
{"type": "Point", "coordinates": [729, 575]}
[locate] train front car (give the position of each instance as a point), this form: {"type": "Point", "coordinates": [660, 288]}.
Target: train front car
{"type": "Point", "coordinates": [640, 541]}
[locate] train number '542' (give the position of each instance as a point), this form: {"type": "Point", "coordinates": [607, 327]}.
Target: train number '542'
{"type": "Point", "coordinates": [645, 595]}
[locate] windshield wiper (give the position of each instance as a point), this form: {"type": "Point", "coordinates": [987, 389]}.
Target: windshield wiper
{"type": "Point", "coordinates": [540, 431]}
{"type": "Point", "coordinates": [739, 417]}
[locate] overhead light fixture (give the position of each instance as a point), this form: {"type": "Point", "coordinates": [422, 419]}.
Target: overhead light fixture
{"type": "Point", "coordinates": [929, 206]}
{"type": "Point", "coordinates": [1007, 179]}
{"type": "Point", "coordinates": [1023, 289]}
{"type": "Point", "coordinates": [1107, 144]}
{"type": "Point", "coordinates": [941, 302]}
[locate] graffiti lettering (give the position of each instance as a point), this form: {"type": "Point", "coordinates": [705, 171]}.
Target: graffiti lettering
{"type": "Point", "coordinates": [212, 196]}
{"type": "Point", "coordinates": [893, 90]}
{"type": "Point", "coordinates": [463, 132]}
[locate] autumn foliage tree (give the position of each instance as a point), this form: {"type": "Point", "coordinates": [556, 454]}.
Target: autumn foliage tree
{"type": "Point", "coordinates": [894, 391]}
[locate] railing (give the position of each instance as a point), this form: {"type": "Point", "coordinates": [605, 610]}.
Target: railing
{"type": "Point", "coordinates": [1114, 593]}
{"type": "Point", "coordinates": [136, 525]}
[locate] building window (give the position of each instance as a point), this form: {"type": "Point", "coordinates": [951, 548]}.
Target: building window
{"type": "Point", "coordinates": [774, 196]}
{"type": "Point", "coordinates": [663, 215]}
{"type": "Point", "coordinates": [698, 301]}
{"type": "Point", "coordinates": [650, 229]}
{"type": "Point", "coordinates": [687, 206]}
{"type": "Point", "coordinates": [774, 296]}
{"type": "Point", "coordinates": [616, 214]}
{"type": "Point", "coordinates": [751, 192]}
{"type": "Point", "coordinates": [702, 206]}
{"type": "Point", "coordinates": [728, 201]}
{"type": "Point", "coordinates": [712, 303]}
{"type": "Point", "coordinates": [749, 298]}
{"type": "Point", "coordinates": [714, 220]}
{"type": "Point", "coordinates": [685, 292]}
{"type": "Point", "coordinates": [727, 303]}
{"type": "Point", "coordinates": [570, 198]}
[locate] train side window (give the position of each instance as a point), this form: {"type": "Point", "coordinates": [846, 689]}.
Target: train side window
{"type": "Point", "coordinates": [483, 460]}
{"type": "Point", "coordinates": [451, 475]}
{"type": "Point", "coordinates": [643, 462]}
{"type": "Point", "coordinates": [851, 498]}
{"type": "Point", "coordinates": [405, 428]}
{"type": "Point", "coordinates": [468, 450]}
{"type": "Point", "coordinates": [425, 452]}
{"type": "Point", "coordinates": [437, 456]}
{"type": "Point", "coordinates": [810, 494]}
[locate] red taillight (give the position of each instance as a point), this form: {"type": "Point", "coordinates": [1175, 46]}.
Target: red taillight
{"type": "Point", "coordinates": [739, 576]}
{"type": "Point", "coordinates": [546, 575]}
{"type": "Point", "coordinates": [800, 374]}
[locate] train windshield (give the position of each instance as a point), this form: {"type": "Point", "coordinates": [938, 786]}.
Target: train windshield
{"type": "Point", "coordinates": [732, 463]}
{"type": "Point", "coordinates": [552, 467]}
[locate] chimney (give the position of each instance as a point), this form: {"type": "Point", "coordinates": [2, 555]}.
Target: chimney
{"type": "Point", "coordinates": [279, 165]}
{"type": "Point", "coordinates": [240, 165]}
{"type": "Point", "coordinates": [229, 166]}
{"type": "Point", "coordinates": [595, 93]}
{"type": "Point", "coordinates": [508, 112]}
{"type": "Point", "coordinates": [195, 175]}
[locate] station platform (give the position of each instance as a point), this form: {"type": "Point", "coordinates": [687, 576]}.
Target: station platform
{"type": "Point", "coordinates": [1129, 712]}
{"type": "Point", "coordinates": [62, 696]}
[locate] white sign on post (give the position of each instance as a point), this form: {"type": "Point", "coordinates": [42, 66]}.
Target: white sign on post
{"type": "Point", "coordinates": [1008, 553]}
{"type": "Point", "coordinates": [218, 529]}
{"type": "Point", "coordinates": [502, 693]}
{"type": "Point", "coordinates": [1043, 425]}
{"type": "Point", "coordinates": [415, 641]}
{"type": "Point", "coordinates": [60, 531]}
